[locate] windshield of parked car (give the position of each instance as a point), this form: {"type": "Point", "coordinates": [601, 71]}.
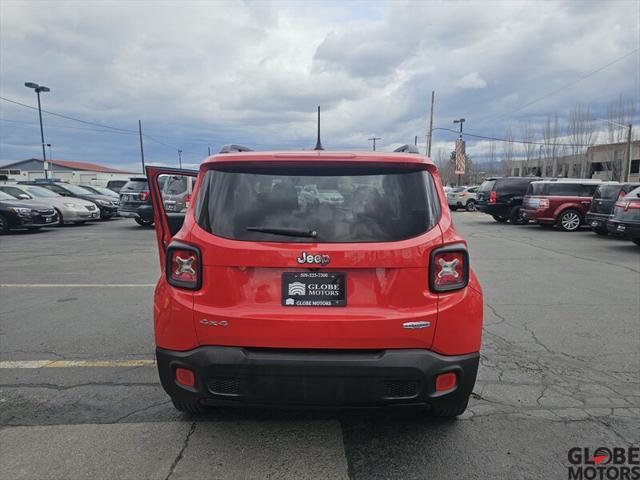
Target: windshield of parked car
{"type": "Point", "coordinates": [77, 190]}
{"type": "Point", "coordinates": [458, 189]}
{"type": "Point", "coordinates": [6, 196]}
{"type": "Point", "coordinates": [357, 204]}
{"type": "Point", "coordinates": [608, 192]}
{"type": "Point", "coordinates": [105, 191]}
{"type": "Point", "coordinates": [40, 192]}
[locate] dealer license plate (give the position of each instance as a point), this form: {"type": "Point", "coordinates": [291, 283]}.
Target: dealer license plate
{"type": "Point", "coordinates": [314, 289]}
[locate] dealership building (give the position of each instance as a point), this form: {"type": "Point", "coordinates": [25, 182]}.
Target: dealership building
{"type": "Point", "coordinates": [603, 162]}
{"type": "Point", "coordinates": [66, 171]}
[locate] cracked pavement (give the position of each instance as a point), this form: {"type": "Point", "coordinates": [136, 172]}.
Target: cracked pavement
{"type": "Point", "coordinates": [560, 367]}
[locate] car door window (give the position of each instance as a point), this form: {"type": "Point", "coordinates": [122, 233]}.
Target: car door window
{"type": "Point", "coordinates": [16, 192]}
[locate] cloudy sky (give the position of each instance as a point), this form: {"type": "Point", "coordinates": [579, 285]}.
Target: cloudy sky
{"type": "Point", "coordinates": [202, 74]}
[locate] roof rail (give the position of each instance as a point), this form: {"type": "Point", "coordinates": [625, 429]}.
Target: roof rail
{"type": "Point", "coordinates": [406, 148]}
{"type": "Point", "coordinates": [233, 148]}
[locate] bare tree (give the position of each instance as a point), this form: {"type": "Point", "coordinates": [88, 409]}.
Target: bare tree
{"type": "Point", "coordinates": [508, 152]}
{"type": "Point", "coordinates": [551, 138]}
{"type": "Point", "coordinates": [581, 133]}
{"type": "Point", "coordinates": [620, 112]}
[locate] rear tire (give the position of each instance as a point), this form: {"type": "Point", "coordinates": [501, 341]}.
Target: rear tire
{"type": "Point", "coordinates": [192, 408]}
{"type": "Point", "coordinates": [143, 223]}
{"type": "Point", "coordinates": [4, 225]}
{"type": "Point", "coordinates": [569, 220]}
{"type": "Point", "coordinates": [515, 217]}
{"type": "Point", "coordinates": [453, 208]}
{"type": "Point", "coordinates": [500, 219]}
{"type": "Point", "coordinates": [451, 410]}
{"type": "Point", "coordinates": [471, 206]}
{"type": "Point", "coordinates": [601, 231]}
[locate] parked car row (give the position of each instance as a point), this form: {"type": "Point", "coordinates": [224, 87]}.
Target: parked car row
{"type": "Point", "coordinates": [563, 203]}
{"type": "Point", "coordinates": [31, 205]}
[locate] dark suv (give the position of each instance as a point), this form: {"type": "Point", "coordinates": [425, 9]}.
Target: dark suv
{"type": "Point", "coordinates": [501, 197]}
{"type": "Point", "coordinates": [625, 219]}
{"type": "Point", "coordinates": [604, 199]}
{"type": "Point", "coordinates": [135, 201]}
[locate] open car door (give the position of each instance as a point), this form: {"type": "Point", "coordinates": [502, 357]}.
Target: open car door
{"type": "Point", "coordinates": [171, 192]}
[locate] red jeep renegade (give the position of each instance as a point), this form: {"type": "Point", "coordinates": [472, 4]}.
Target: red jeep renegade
{"type": "Point", "coordinates": [315, 278]}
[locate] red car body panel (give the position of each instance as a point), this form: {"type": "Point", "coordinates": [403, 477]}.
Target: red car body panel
{"type": "Point", "coordinates": [387, 286]}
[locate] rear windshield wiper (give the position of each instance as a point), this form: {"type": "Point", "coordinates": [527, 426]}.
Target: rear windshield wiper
{"type": "Point", "coordinates": [289, 232]}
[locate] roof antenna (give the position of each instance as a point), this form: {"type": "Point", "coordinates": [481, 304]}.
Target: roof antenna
{"type": "Point", "coordinates": [318, 142]}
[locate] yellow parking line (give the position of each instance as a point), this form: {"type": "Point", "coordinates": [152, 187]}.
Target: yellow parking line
{"type": "Point", "coordinates": [76, 285]}
{"type": "Point", "coordinates": [76, 363]}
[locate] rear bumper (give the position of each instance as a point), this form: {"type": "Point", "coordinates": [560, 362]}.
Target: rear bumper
{"type": "Point", "coordinates": [596, 220]}
{"type": "Point", "coordinates": [497, 209]}
{"type": "Point", "coordinates": [258, 376]}
{"type": "Point", "coordinates": [626, 230]}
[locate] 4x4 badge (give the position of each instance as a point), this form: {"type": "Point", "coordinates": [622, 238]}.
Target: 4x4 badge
{"type": "Point", "coordinates": [309, 258]}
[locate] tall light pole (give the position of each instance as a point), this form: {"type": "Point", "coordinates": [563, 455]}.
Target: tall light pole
{"type": "Point", "coordinates": [374, 138]}
{"type": "Point", "coordinates": [38, 89]}
{"type": "Point", "coordinates": [180, 157]}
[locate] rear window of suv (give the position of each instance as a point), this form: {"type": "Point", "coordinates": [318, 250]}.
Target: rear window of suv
{"type": "Point", "coordinates": [135, 186]}
{"type": "Point", "coordinates": [607, 192]}
{"type": "Point", "coordinates": [487, 185]}
{"type": "Point", "coordinates": [342, 204]}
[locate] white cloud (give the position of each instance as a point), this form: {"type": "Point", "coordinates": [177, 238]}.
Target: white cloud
{"type": "Point", "coordinates": [471, 80]}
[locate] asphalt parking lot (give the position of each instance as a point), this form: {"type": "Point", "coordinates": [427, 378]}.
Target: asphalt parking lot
{"type": "Point", "coordinates": [80, 398]}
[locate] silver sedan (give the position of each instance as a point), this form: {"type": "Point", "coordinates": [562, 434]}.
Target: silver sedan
{"type": "Point", "coordinates": [70, 209]}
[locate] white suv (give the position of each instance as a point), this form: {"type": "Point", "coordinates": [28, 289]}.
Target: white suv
{"type": "Point", "coordinates": [463, 197]}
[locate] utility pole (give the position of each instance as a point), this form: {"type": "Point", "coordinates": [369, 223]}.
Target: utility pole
{"type": "Point", "coordinates": [141, 146]}
{"type": "Point", "coordinates": [180, 157]}
{"type": "Point", "coordinates": [209, 151]}
{"type": "Point", "coordinates": [627, 157]}
{"type": "Point", "coordinates": [374, 141]}
{"type": "Point", "coordinates": [415, 141]}
{"type": "Point", "coordinates": [433, 98]}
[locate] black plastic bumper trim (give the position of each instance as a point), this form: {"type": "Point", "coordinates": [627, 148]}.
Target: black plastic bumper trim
{"type": "Point", "coordinates": [252, 376]}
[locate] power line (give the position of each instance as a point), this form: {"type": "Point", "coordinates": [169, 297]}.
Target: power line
{"type": "Point", "coordinates": [525, 142]}
{"type": "Point", "coordinates": [564, 87]}
{"type": "Point", "coordinates": [68, 117]}
{"type": "Point", "coordinates": [116, 129]}
{"type": "Point", "coordinates": [69, 127]}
